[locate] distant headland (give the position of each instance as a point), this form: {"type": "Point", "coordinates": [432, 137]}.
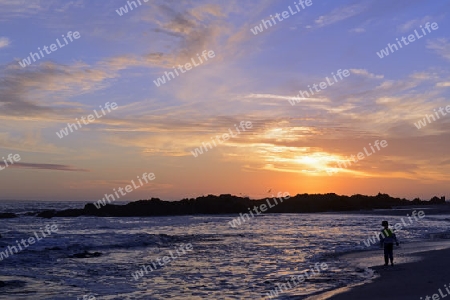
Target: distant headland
{"type": "Point", "coordinates": [229, 204]}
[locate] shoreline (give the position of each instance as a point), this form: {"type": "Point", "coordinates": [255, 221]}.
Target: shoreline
{"type": "Point", "coordinates": [420, 270]}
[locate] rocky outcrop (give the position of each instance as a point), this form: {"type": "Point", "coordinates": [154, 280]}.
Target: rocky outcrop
{"type": "Point", "coordinates": [7, 215]}
{"type": "Point", "coordinates": [86, 254]}
{"type": "Point", "coordinates": [228, 204]}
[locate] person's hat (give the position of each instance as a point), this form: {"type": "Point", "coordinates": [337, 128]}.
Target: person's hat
{"type": "Point", "coordinates": [384, 223]}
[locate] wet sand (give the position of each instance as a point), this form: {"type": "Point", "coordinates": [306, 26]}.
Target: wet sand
{"type": "Point", "coordinates": [418, 272]}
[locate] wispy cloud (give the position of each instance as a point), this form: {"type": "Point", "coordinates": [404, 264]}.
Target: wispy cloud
{"type": "Point", "coordinates": [358, 30]}
{"type": "Point", "coordinates": [22, 8]}
{"type": "Point", "coordinates": [440, 46]}
{"type": "Point", "coordinates": [4, 42]}
{"type": "Point", "coordinates": [443, 84]}
{"type": "Point", "coordinates": [280, 97]}
{"type": "Point", "coordinates": [25, 92]}
{"type": "Point", "coordinates": [52, 167]}
{"type": "Point", "coordinates": [365, 73]}
{"type": "Point", "coordinates": [249, 80]}
{"type": "Point", "coordinates": [20, 138]}
{"type": "Point", "coordinates": [340, 14]}
{"type": "Point", "coordinates": [413, 24]}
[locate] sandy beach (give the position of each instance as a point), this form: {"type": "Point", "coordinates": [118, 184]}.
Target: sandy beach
{"type": "Point", "coordinates": [418, 273]}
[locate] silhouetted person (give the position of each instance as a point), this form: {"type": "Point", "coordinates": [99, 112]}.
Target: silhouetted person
{"type": "Point", "coordinates": [387, 238]}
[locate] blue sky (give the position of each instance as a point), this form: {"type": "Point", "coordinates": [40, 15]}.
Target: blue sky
{"type": "Point", "coordinates": [251, 78]}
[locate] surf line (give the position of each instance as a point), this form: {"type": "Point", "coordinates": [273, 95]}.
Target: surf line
{"type": "Point", "coordinates": [49, 229]}
{"type": "Point", "coordinates": [162, 261]}
{"type": "Point", "coordinates": [296, 280]}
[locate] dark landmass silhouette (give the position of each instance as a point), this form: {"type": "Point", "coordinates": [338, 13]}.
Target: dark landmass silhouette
{"type": "Point", "coordinates": [229, 204]}
{"type": "Point", "coordinates": [7, 215]}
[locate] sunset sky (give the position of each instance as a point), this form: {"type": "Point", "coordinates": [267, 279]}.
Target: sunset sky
{"type": "Point", "coordinates": [252, 77]}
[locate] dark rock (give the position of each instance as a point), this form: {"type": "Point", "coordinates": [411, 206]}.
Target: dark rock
{"type": "Point", "coordinates": [48, 214]}
{"type": "Point", "coordinates": [69, 213]}
{"type": "Point", "coordinates": [13, 284]}
{"type": "Point", "coordinates": [86, 254]}
{"type": "Point", "coordinates": [53, 248]}
{"type": "Point", "coordinates": [229, 204]}
{"type": "Point", "coordinates": [436, 200]}
{"type": "Point", "coordinates": [7, 215]}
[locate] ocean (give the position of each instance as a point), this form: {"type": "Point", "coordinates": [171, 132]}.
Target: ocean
{"type": "Point", "coordinates": [246, 262]}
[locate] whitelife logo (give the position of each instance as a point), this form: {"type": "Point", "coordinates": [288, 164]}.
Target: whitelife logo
{"type": "Point", "coordinates": [162, 80]}
{"type": "Point", "coordinates": [11, 158]}
{"type": "Point", "coordinates": [225, 137]}
{"type": "Point", "coordinates": [162, 261]}
{"type": "Point", "coordinates": [397, 227]}
{"type": "Point", "coordinates": [90, 118]}
{"type": "Point", "coordinates": [110, 197]}
{"type": "Point", "coordinates": [323, 85]}
{"type": "Point", "coordinates": [35, 56]}
{"type": "Point", "coordinates": [436, 296]}
{"type": "Point", "coordinates": [428, 118]}
{"type": "Point", "coordinates": [124, 9]}
{"type": "Point", "coordinates": [237, 221]}
{"type": "Point", "coordinates": [411, 38]}
{"type": "Point", "coordinates": [285, 14]}
{"type": "Point", "coordinates": [31, 240]}
{"type": "Point", "coordinates": [360, 155]}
